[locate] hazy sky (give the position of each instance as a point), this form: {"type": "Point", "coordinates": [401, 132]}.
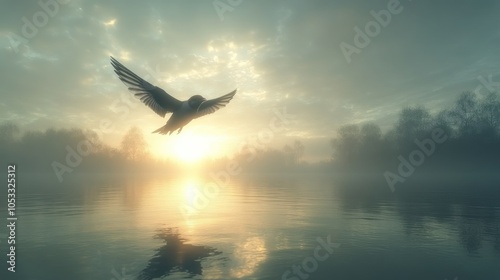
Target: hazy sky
{"type": "Point", "coordinates": [279, 54]}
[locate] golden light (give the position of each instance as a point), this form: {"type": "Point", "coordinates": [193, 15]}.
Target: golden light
{"type": "Point", "coordinates": [191, 149]}
{"type": "Point", "coordinates": [110, 22]}
{"type": "Point", "coordinates": [188, 196]}
{"type": "Point", "coordinates": [186, 147]}
{"type": "Point", "coordinates": [125, 55]}
{"type": "Point", "coordinates": [249, 255]}
{"type": "Point", "coordinates": [190, 192]}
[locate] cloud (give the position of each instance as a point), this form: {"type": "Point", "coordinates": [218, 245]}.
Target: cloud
{"type": "Point", "coordinates": [278, 53]}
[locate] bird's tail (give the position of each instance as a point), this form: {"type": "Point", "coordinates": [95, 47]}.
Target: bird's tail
{"type": "Point", "coordinates": [166, 129]}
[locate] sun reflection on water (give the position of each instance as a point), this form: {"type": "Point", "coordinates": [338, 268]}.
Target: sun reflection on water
{"type": "Point", "coordinates": [248, 256]}
{"type": "Point", "coordinates": [190, 191]}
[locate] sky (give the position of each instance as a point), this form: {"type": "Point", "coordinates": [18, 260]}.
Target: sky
{"type": "Point", "coordinates": [325, 63]}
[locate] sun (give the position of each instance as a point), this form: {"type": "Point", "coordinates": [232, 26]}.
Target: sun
{"type": "Point", "coordinates": [190, 148]}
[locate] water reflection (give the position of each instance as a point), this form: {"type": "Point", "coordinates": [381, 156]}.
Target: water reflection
{"type": "Point", "coordinates": [436, 212]}
{"type": "Point", "coordinates": [254, 228]}
{"type": "Point", "coordinates": [175, 256]}
{"type": "Point", "coordinates": [248, 255]}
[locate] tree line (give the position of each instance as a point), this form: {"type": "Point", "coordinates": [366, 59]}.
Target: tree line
{"type": "Point", "coordinates": [470, 125]}
{"type": "Point", "coordinates": [470, 129]}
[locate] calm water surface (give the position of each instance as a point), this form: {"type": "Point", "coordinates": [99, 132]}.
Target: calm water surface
{"type": "Point", "coordinates": [254, 228]}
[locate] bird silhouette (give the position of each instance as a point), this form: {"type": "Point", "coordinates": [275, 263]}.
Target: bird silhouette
{"type": "Point", "coordinates": [183, 112]}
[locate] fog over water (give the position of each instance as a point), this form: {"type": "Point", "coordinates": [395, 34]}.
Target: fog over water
{"type": "Point", "coordinates": [363, 141]}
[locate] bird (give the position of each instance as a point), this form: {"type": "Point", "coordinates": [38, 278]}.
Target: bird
{"type": "Point", "coordinates": [162, 103]}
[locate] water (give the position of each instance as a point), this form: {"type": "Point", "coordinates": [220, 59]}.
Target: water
{"type": "Point", "coordinates": [254, 228]}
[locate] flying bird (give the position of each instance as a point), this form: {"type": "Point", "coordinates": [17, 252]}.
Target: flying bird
{"type": "Point", "coordinates": [162, 103]}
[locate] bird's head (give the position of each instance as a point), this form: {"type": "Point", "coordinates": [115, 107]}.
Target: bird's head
{"type": "Point", "coordinates": [195, 101]}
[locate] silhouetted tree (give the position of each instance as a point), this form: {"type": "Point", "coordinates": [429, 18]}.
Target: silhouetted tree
{"type": "Point", "coordinates": [346, 145]}
{"type": "Point", "coordinates": [443, 121]}
{"type": "Point", "coordinates": [371, 135]}
{"type": "Point", "coordinates": [298, 149]}
{"type": "Point", "coordinates": [471, 127]}
{"type": "Point", "coordinates": [8, 133]}
{"type": "Point", "coordinates": [371, 144]}
{"type": "Point", "coordinates": [489, 115]}
{"type": "Point", "coordinates": [294, 153]}
{"type": "Point", "coordinates": [133, 145]}
{"type": "Point", "coordinates": [465, 112]}
{"type": "Point", "coordinates": [413, 123]}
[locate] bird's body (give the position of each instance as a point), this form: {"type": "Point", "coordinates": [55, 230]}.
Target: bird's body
{"type": "Point", "coordinates": [178, 120]}
{"type": "Point", "coordinates": [183, 112]}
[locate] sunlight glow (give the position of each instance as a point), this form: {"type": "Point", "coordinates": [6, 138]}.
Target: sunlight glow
{"type": "Point", "coordinates": [189, 196]}
{"type": "Point", "coordinates": [190, 192]}
{"type": "Point", "coordinates": [190, 148]}
{"type": "Point", "coordinates": [110, 22]}
{"type": "Point", "coordinates": [125, 55]}
{"type": "Point", "coordinates": [249, 255]}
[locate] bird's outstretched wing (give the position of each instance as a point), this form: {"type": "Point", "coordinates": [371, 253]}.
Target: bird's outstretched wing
{"type": "Point", "coordinates": [154, 97]}
{"type": "Point", "coordinates": [212, 105]}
